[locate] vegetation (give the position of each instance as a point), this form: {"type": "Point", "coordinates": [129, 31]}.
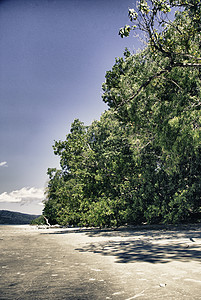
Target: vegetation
{"type": "Point", "coordinates": [15, 218]}
{"type": "Point", "coordinates": [141, 162]}
{"type": "Point", "coordinates": [38, 221]}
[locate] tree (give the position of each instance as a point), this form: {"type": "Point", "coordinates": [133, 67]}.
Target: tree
{"type": "Point", "coordinates": [178, 41]}
{"type": "Point", "coordinates": [65, 189]}
{"type": "Point", "coordinates": [114, 173]}
{"type": "Point", "coordinates": [159, 94]}
{"type": "Point", "coordinates": [96, 182]}
{"type": "Point", "coordinates": [141, 161]}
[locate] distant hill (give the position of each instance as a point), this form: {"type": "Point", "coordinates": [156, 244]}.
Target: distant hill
{"type": "Point", "coordinates": [15, 218]}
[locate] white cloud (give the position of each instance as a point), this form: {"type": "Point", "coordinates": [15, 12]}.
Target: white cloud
{"type": "Point", "coordinates": [3, 164]}
{"type": "Point", "coordinates": [24, 196]}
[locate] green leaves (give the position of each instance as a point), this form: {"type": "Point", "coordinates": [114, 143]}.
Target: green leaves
{"type": "Point", "coordinates": [177, 40]}
{"type": "Point", "coordinates": [125, 31]}
{"type": "Point", "coordinates": [162, 5]}
{"type": "Point", "coordinates": [132, 15]}
{"type": "Point", "coordinates": [141, 161]}
{"type": "Point", "coordinates": [143, 7]}
{"type": "Point", "coordinates": [96, 168]}
{"type": "Point", "coordinates": [157, 92]}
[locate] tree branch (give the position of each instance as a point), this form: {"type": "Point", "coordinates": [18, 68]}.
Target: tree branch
{"type": "Point", "coordinates": [167, 69]}
{"type": "Point", "coordinates": [145, 84]}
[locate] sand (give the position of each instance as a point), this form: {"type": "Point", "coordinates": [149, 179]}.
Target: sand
{"type": "Point", "coordinates": [154, 262]}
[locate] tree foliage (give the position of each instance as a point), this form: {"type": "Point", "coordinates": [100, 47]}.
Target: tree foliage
{"type": "Point", "coordinates": [94, 185]}
{"type": "Point", "coordinates": [178, 39]}
{"type": "Point", "coordinates": [141, 161]}
{"type": "Point", "coordinates": [158, 91]}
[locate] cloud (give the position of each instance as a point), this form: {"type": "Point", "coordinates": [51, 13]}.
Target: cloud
{"type": "Point", "coordinates": [24, 196]}
{"type": "Point", "coordinates": [3, 164]}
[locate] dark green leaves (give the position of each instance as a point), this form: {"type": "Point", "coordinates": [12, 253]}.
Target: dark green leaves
{"type": "Point", "coordinates": [141, 161]}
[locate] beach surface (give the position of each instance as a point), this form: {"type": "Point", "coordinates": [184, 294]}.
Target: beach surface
{"type": "Point", "coordinates": [128, 263]}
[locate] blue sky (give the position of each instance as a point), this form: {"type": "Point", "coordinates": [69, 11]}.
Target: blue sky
{"type": "Point", "coordinates": [53, 58]}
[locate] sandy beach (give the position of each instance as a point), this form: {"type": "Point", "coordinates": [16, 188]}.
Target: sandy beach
{"type": "Point", "coordinates": [155, 262]}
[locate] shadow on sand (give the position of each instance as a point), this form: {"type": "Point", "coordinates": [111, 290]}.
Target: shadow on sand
{"type": "Point", "coordinates": [133, 251]}
{"type": "Point", "coordinates": [160, 245]}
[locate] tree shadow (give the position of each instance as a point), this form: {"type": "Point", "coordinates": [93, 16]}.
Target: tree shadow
{"type": "Point", "coordinates": [146, 251]}
{"type": "Point", "coordinates": [138, 244]}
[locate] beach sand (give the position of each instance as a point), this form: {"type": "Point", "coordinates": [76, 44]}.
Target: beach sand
{"type": "Point", "coordinates": [154, 262]}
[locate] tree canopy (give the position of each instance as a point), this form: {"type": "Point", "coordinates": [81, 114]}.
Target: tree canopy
{"type": "Point", "coordinates": [141, 161]}
{"type": "Point", "coordinates": [177, 39]}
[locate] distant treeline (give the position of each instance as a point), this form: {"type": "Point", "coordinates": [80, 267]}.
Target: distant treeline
{"type": "Point", "coordinates": [15, 218]}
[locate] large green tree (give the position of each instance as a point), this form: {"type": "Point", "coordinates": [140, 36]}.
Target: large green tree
{"type": "Point", "coordinates": [177, 39]}
{"type": "Point", "coordinates": [158, 92]}
{"type": "Point", "coordinates": [65, 187]}
{"type": "Point", "coordinates": [141, 161]}
{"type": "Point", "coordinates": [96, 181]}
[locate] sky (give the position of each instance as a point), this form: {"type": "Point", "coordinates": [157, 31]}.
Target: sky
{"type": "Point", "coordinates": [54, 55]}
